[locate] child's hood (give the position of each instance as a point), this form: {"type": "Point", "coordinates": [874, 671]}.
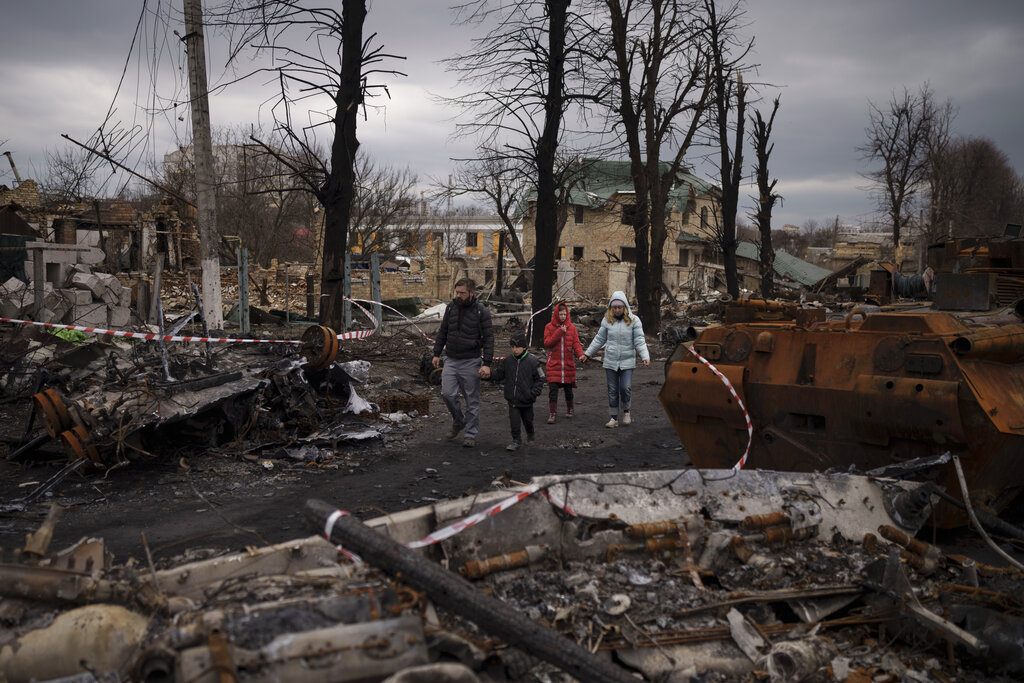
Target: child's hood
{"type": "Point", "coordinates": [561, 305]}
{"type": "Point", "coordinates": [621, 296]}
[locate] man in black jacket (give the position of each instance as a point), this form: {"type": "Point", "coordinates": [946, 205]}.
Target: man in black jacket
{"type": "Point", "coordinates": [468, 343]}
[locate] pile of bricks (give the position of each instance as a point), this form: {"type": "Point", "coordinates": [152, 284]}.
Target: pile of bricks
{"type": "Point", "coordinates": [87, 298]}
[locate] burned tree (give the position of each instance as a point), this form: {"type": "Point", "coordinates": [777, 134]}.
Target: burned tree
{"type": "Point", "coordinates": [330, 58]}
{"type": "Point", "coordinates": [658, 72]}
{"type": "Point", "coordinates": [766, 196]}
{"type": "Point", "coordinates": [527, 71]}
{"type": "Point", "coordinates": [897, 137]}
{"type": "Point", "coordinates": [729, 94]}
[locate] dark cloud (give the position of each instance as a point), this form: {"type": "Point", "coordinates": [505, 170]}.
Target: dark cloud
{"type": "Point", "coordinates": [62, 61]}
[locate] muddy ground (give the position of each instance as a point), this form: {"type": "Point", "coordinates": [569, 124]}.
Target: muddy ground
{"type": "Point", "coordinates": [209, 499]}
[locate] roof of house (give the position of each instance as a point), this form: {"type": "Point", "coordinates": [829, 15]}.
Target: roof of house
{"type": "Point", "coordinates": [786, 265]}
{"type": "Point", "coordinates": [602, 180]}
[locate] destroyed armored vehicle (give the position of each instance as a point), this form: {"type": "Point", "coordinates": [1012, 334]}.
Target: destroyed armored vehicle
{"type": "Point", "coordinates": [864, 391]}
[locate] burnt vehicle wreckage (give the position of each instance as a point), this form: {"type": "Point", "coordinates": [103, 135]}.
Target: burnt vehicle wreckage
{"type": "Point", "coordinates": [803, 564]}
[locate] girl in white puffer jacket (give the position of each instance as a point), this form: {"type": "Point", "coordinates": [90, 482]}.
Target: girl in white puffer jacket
{"type": "Point", "coordinates": [622, 337]}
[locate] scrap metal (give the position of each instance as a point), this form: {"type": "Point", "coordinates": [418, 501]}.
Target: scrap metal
{"type": "Point", "coordinates": [868, 390]}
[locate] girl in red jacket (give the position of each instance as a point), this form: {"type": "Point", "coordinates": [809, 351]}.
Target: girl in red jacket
{"type": "Point", "coordinates": [562, 342]}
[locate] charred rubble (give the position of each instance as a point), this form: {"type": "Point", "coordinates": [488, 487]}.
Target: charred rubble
{"type": "Point", "coordinates": [111, 403]}
{"type": "Point", "coordinates": [682, 575]}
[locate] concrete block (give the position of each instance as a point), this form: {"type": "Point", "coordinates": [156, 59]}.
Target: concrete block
{"type": "Point", "coordinates": [45, 315]}
{"type": "Point", "coordinates": [119, 318]}
{"type": "Point", "coordinates": [56, 304]}
{"type": "Point", "coordinates": [12, 287]}
{"type": "Point", "coordinates": [90, 315]}
{"type": "Point", "coordinates": [109, 281]}
{"type": "Point", "coordinates": [90, 282]}
{"type": "Point", "coordinates": [77, 297]}
{"type": "Point", "coordinates": [110, 298]}
{"type": "Point", "coordinates": [125, 297]}
{"type": "Point", "coordinates": [14, 308]}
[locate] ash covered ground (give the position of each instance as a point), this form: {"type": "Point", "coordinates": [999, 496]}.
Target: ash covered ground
{"type": "Point", "coordinates": [250, 492]}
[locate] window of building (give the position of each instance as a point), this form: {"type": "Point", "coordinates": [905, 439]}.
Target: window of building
{"type": "Point", "coordinates": [472, 239]}
{"type": "Point", "coordinates": [577, 214]}
{"type": "Point", "coordinates": [703, 218]}
{"type": "Point", "coordinates": [561, 253]}
{"type": "Point", "coordinates": [684, 258]}
{"type": "Point", "coordinates": [628, 254]}
{"type": "Point", "coordinates": [628, 213]}
{"type": "Point", "coordinates": [577, 253]}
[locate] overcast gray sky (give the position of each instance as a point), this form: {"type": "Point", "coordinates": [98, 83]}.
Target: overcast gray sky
{"type": "Point", "coordinates": [61, 60]}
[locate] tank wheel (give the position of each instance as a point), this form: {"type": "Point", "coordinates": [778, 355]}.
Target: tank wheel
{"type": "Point", "coordinates": [52, 412]}
{"type": "Point", "coordinates": [78, 445]}
{"type": "Point", "coordinates": [319, 346]}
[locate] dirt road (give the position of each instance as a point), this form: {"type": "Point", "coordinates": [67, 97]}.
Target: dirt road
{"type": "Point", "coordinates": [224, 501]}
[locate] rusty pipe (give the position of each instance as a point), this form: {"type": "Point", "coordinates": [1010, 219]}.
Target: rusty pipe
{"type": "Point", "coordinates": [477, 569]}
{"type": "Point", "coordinates": [1004, 344]}
{"type": "Point", "coordinates": [648, 529]}
{"type": "Point", "coordinates": [763, 304]}
{"type": "Point", "coordinates": [894, 535]}
{"type": "Point", "coordinates": [753, 522]}
{"type": "Point", "coordinates": [651, 545]}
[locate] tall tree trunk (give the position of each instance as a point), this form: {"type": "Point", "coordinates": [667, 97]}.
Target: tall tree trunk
{"type": "Point", "coordinates": [766, 197]}
{"type": "Point", "coordinates": [338, 192]}
{"type": "Point", "coordinates": [547, 223]}
{"type": "Point", "coordinates": [732, 167]}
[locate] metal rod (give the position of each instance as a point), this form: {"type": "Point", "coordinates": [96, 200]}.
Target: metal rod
{"type": "Point", "coordinates": [974, 520]}
{"type": "Point", "coordinates": [163, 344]}
{"type": "Point", "coordinates": [53, 481]}
{"type": "Point", "coordinates": [29, 447]}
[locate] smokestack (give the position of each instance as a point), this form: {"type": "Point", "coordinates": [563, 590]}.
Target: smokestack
{"type": "Point", "coordinates": [14, 168]}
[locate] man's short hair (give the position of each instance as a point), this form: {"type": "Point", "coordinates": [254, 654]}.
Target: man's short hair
{"type": "Point", "coordinates": [468, 283]}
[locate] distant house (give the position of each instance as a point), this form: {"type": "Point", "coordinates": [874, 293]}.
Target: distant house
{"type": "Point", "coordinates": [788, 268]}
{"type": "Point", "coordinates": [598, 232]}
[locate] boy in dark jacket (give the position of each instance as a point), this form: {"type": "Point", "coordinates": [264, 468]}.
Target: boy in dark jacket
{"type": "Point", "coordinates": [524, 382]}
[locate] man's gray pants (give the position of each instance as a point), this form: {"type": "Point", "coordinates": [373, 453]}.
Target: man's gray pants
{"type": "Point", "coordinates": [461, 376]}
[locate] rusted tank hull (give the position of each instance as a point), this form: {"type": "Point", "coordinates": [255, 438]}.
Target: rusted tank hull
{"type": "Point", "coordinates": [862, 392]}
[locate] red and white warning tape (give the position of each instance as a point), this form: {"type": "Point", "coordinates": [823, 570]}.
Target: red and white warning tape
{"type": "Point", "coordinates": [529, 323]}
{"type": "Point", "coordinates": [732, 390]}
{"type": "Point", "coordinates": [461, 525]}
{"type": "Point", "coordinates": [148, 336]}
{"type": "Point", "coordinates": [384, 305]}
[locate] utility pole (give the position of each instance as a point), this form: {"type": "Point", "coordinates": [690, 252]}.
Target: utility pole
{"type": "Point", "coordinates": [202, 148]}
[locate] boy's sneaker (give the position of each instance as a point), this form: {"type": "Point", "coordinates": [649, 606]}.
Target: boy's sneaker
{"type": "Point", "coordinates": [529, 438]}
{"type": "Point", "coordinates": [626, 419]}
{"type": "Point", "coordinates": [453, 432]}
{"type": "Point", "coordinates": [570, 412]}
{"type": "Point", "coordinates": [611, 423]}
{"type": "Point", "coordinates": [513, 446]}
{"type": "Point", "coordinates": [469, 442]}
{"type": "Point", "coordinates": [552, 417]}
